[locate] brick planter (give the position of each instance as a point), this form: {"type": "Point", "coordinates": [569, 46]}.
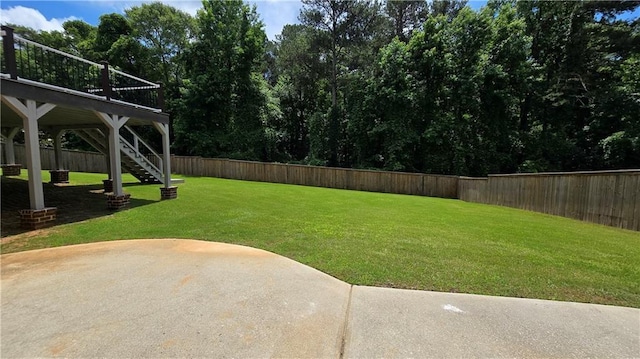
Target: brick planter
{"type": "Point", "coordinates": [11, 170]}
{"type": "Point", "coordinates": [118, 202]}
{"type": "Point", "coordinates": [168, 192]}
{"type": "Point", "coordinates": [37, 218]}
{"type": "Point", "coordinates": [59, 176]}
{"type": "Point", "coordinates": [108, 185]}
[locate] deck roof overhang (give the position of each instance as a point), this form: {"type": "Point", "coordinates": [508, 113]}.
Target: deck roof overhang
{"type": "Point", "coordinates": [73, 109]}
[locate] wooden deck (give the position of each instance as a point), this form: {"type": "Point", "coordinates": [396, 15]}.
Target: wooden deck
{"type": "Point", "coordinates": [73, 109]}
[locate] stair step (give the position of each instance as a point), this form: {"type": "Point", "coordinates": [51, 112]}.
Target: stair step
{"type": "Point", "coordinates": [132, 161]}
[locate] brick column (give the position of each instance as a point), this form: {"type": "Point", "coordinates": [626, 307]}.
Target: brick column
{"type": "Point", "coordinates": [59, 176]}
{"type": "Point", "coordinates": [37, 218]}
{"type": "Point", "coordinates": [168, 192]}
{"type": "Point", "coordinates": [118, 202]}
{"type": "Point", "coordinates": [108, 185]}
{"type": "Point", "coordinates": [11, 170]}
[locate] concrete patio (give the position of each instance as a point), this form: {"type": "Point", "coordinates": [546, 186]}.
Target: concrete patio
{"type": "Point", "coordinates": [185, 298]}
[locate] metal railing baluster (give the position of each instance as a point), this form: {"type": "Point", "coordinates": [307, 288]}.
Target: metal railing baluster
{"type": "Point", "coordinates": [40, 63]}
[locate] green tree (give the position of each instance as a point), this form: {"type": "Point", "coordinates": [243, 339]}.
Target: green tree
{"type": "Point", "coordinates": [390, 106]}
{"type": "Point", "coordinates": [114, 42]}
{"type": "Point", "coordinates": [574, 106]}
{"type": "Point", "coordinates": [222, 111]}
{"type": "Point", "coordinates": [448, 8]}
{"type": "Point", "coordinates": [166, 32]}
{"type": "Point", "coordinates": [110, 29]}
{"type": "Point", "coordinates": [344, 30]}
{"type": "Point", "coordinates": [301, 81]}
{"type": "Point", "coordinates": [82, 37]}
{"type": "Point", "coordinates": [406, 16]}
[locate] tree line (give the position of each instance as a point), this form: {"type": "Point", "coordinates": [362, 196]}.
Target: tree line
{"type": "Point", "coordinates": [417, 86]}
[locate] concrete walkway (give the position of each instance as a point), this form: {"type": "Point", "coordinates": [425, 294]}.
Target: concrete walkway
{"type": "Point", "coordinates": [184, 298]}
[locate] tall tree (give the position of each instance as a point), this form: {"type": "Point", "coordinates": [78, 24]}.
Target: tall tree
{"type": "Point", "coordinates": [406, 16]}
{"type": "Point", "coordinates": [331, 18]}
{"type": "Point", "coordinates": [110, 29]}
{"type": "Point", "coordinates": [83, 39]}
{"type": "Point", "coordinates": [448, 8]}
{"type": "Point", "coordinates": [115, 43]}
{"type": "Point", "coordinates": [223, 106]}
{"type": "Point", "coordinates": [344, 28]}
{"type": "Point", "coordinates": [166, 31]}
{"type": "Point", "coordinates": [299, 86]}
{"type": "Point", "coordinates": [574, 105]}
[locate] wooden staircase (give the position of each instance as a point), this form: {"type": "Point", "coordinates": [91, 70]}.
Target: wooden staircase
{"type": "Point", "coordinates": [137, 158]}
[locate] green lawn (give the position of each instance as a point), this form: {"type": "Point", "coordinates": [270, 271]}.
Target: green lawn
{"type": "Point", "coordinates": [382, 239]}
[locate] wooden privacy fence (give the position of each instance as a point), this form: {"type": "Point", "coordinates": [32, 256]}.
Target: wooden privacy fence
{"type": "Point", "coordinates": [611, 198]}
{"type": "Point", "coordinates": [606, 197]}
{"type": "Point", "coordinates": [343, 178]}
{"type": "Point", "coordinates": [79, 161]}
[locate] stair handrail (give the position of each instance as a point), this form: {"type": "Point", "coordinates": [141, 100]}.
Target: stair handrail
{"type": "Point", "coordinates": [137, 140]}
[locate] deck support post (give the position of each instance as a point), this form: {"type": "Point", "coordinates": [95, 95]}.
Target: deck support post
{"type": "Point", "coordinates": [9, 150]}
{"type": "Point", "coordinates": [57, 145]}
{"type": "Point", "coordinates": [59, 174]}
{"type": "Point", "coordinates": [30, 113]}
{"type": "Point", "coordinates": [108, 183]}
{"type": "Point", "coordinates": [167, 191]}
{"type": "Point", "coordinates": [38, 215]}
{"type": "Point", "coordinates": [32, 149]}
{"type": "Point", "coordinates": [10, 168]}
{"type": "Point", "coordinates": [114, 122]}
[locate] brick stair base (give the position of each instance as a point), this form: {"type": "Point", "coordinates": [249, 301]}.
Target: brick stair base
{"type": "Point", "coordinates": [168, 192]}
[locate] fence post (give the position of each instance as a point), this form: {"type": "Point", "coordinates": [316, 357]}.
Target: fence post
{"type": "Point", "coordinates": [106, 87]}
{"type": "Point", "coordinates": [9, 50]}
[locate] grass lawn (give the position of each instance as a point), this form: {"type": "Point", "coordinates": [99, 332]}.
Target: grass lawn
{"type": "Point", "coordinates": [380, 239]}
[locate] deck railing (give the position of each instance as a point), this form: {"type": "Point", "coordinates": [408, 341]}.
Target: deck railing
{"type": "Point", "coordinates": [26, 60]}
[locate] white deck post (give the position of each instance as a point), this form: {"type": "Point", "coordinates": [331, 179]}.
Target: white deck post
{"type": "Point", "coordinates": [166, 152]}
{"type": "Point", "coordinates": [32, 147]}
{"type": "Point", "coordinates": [166, 157]}
{"type": "Point", "coordinates": [30, 113]}
{"type": "Point", "coordinates": [8, 146]}
{"type": "Point", "coordinates": [114, 156]}
{"type": "Point", "coordinates": [114, 122]}
{"type": "Point", "coordinates": [108, 158]}
{"type": "Point", "coordinates": [57, 144]}
{"type": "Point", "coordinates": [167, 191]}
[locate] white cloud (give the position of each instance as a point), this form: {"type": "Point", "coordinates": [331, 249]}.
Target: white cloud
{"type": "Point", "coordinates": [32, 18]}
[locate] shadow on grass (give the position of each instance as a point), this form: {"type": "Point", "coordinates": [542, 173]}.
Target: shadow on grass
{"type": "Point", "coordinates": [75, 203]}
